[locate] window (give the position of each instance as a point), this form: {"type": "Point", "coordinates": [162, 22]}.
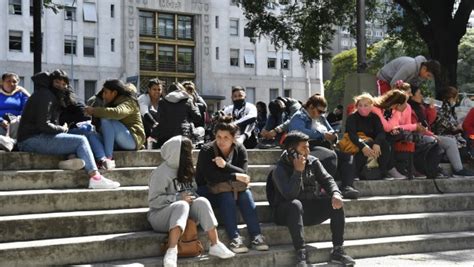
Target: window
{"type": "Point", "coordinates": [70, 45]}
{"type": "Point", "coordinates": [217, 53]}
{"type": "Point", "coordinates": [89, 47]}
{"type": "Point", "coordinates": [75, 85]}
{"type": "Point", "coordinates": [147, 57]}
{"type": "Point", "coordinates": [271, 60]}
{"type": "Point", "coordinates": [70, 13]}
{"type": "Point", "coordinates": [273, 93]}
{"type": "Point", "coordinates": [287, 92]}
{"type": "Point", "coordinates": [112, 45]}
{"type": "Point", "coordinates": [185, 59]}
{"type": "Point", "coordinates": [112, 11]}
{"type": "Point", "coordinates": [217, 22]}
{"type": "Point", "coordinates": [21, 82]}
{"type": "Point", "coordinates": [14, 7]}
{"type": "Point", "coordinates": [89, 89]}
{"type": "Point", "coordinates": [15, 40]}
{"type": "Point", "coordinates": [90, 12]}
{"type": "Point", "coordinates": [247, 33]}
{"type": "Point", "coordinates": [32, 42]}
{"type": "Point", "coordinates": [185, 27]}
{"type": "Point", "coordinates": [234, 27]}
{"type": "Point", "coordinates": [250, 94]}
{"type": "Point", "coordinates": [284, 2]}
{"type": "Point", "coordinates": [166, 58]}
{"type": "Point", "coordinates": [234, 57]}
{"type": "Point", "coordinates": [249, 58]}
{"type": "Point", "coordinates": [166, 25]}
{"type": "Point", "coordinates": [146, 23]}
{"type": "Point", "coordinates": [344, 42]}
{"type": "Point", "coordinates": [31, 8]}
{"type": "Point", "coordinates": [285, 62]}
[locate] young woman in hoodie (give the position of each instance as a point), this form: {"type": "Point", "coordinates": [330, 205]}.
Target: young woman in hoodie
{"type": "Point", "coordinates": [177, 115]}
{"type": "Point", "coordinates": [173, 200]}
{"type": "Point", "coordinates": [40, 132]}
{"type": "Point", "coordinates": [120, 121]}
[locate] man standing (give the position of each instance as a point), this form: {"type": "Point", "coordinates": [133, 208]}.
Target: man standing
{"type": "Point", "coordinates": [244, 114]}
{"type": "Point", "coordinates": [408, 69]}
{"type": "Point", "coordinates": [297, 199]}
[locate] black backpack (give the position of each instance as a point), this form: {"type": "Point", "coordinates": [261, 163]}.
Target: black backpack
{"type": "Point", "coordinates": [427, 157]}
{"type": "Point", "coordinates": [270, 189]}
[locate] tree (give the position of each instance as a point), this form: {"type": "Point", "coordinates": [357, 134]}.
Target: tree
{"type": "Point", "coordinates": [466, 63]}
{"type": "Point", "coordinates": [439, 24]}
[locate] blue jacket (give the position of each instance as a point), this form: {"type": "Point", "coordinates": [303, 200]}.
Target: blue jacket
{"type": "Point", "coordinates": [302, 122]}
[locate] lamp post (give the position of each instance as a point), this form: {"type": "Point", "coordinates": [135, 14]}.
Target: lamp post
{"type": "Point", "coordinates": [75, 45]}
{"type": "Point", "coordinates": [38, 48]}
{"type": "Point", "coordinates": [361, 40]}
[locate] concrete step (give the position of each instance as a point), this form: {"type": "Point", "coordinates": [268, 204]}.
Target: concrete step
{"type": "Point", "coordinates": [103, 248]}
{"type": "Point", "coordinates": [84, 223]}
{"type": "Point", "coordinates": [142, 158]}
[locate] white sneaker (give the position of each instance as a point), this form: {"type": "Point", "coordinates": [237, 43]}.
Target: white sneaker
{"type": "Point", "coordinates": [171, 257]}
{"type": "Point", "coordinates": [395, 174]}
{"type": "Point", "coordinates": [103, 183]}
{"type": "Point", "coordinates": [71, 164]}
{"type": "Point", "coordinates": [108, 164]}
{"type": "Point", "coordinates": [221, 251]}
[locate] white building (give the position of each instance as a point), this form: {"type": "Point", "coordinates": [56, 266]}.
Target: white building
{"type": "Point", "coordinates": [174, 40]}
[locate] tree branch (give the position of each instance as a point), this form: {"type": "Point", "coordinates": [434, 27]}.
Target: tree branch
{"type": "Point", "coordinates": [416, 18]}
{"type": "Point", "coordinates": [461, 18]}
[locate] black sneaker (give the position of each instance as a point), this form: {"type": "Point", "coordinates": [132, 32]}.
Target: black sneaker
{"type": "Point", "coordinates": [301, 257]}
{"type": "Point", "coordinates": [237, 245]}
{"type": "Point", "coordinates": [338, 255]}
{"type": "Point", "coordinates": [463, 172]}
{"type": "Point", "coordinates": [350, 192]}
{"type": "Point", "coordinates": [258, 243]}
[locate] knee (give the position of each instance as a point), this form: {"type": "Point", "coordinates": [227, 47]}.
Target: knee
{"type": "Point", "coordinates": [181, 207]}
{"type": "Point", "coordinates": [104, 121]}
{"type": "Point", "coordinates": [201, 203]}
{"type": "Point", "coordinates": [296, 207]}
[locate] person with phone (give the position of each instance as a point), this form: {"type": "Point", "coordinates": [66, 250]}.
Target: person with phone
{"type": "Point", "coordinates": [172, 200]}
{"type": "Point", "coordinates": [298, 178]}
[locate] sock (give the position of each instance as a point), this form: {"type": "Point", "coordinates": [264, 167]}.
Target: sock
{"type": "Point", "coordinates": [97, 177]}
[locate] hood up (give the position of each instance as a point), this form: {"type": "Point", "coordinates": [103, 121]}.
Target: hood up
{"type": "Point", "coordinates": [176, 96]}
{"type": "Point", "coordinates": [171, 151]}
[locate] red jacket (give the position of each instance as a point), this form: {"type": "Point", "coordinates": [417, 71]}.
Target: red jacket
{"type": "Point", "coordinates": [468, 124]}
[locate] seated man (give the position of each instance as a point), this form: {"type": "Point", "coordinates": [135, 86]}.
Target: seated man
{"type": "Point", "coordinates": [281, 110]}
{"type": "Point", "coordinates": [297, 200]}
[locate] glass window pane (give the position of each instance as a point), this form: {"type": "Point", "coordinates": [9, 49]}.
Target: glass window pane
{"type": "Point", "coordinates": [147, 57]}
{"type": "Point", "coordinates": [166, 25]}
{"type": "Point", "coordinates": [185, 59]}
{"type": "Point", "coordinates": [166, 61]}
{"type": "Point", "coordinates": [146, 23]}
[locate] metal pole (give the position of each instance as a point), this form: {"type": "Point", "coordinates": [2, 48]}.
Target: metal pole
{"type": "Point", "coordinates": [37, 36]}
{"type": "Point", "coordinates": [361, 41]}
{"type": "Point", "coordinates": [75, 46]}
{"type": "Point", "coordinates": [282, 93]}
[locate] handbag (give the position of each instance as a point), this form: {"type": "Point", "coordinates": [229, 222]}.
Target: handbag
{"type": "Point", "coordinates": [227, 186]}
{"type": "Point", "coordinates": [188, 244]}
{"type": "Point", "coordinates": [345, 144]}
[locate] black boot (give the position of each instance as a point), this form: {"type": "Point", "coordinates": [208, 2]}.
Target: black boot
{"type": "Point", "coordinates": [301, 257]}
{"type": "Point", "coordinates": [338, 255]}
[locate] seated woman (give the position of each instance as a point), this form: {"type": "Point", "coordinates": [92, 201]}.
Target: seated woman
{"type": "Point", "coordinates": [226, 160]}
{"type": "Point", "coordinates": [120, 123]}
{"type": "Point", "coordinates": [178, 114]}
{"type": "Point", "coordinates": [173, 200]}
{"type": "Point", "coordinates": [468, 126]}
{"type": "Point", "coordinates": [12, 100]}
{"type": "Point", "coordinates": [366, 122]}
{"type": "Point", "coordinates": [310, 121]}
{"type": "Point", "coordinates": [149, 106]}
{"type": "Point", "coordinates": [40, 132]}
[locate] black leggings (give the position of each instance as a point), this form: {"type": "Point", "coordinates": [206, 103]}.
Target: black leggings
{"type": "Point", "coordinates": [295, 214]}
{"type": "Point", "coordinates": [338, 164]}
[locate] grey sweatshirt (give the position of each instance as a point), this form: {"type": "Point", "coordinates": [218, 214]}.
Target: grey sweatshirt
{"type": "Point", "coordinates": [164, 186]}
{"type": "Point", "coordinates": [406, 69]}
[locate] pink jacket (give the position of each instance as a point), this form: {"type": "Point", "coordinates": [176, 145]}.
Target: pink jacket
{"type": "Point", "coordinates": [398, 119]}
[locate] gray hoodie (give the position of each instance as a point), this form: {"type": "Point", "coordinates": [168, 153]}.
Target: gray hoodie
{"type": "Point", "coordinates": [406, 69]}
{"type": "Point", "coordinates": [164, 186]}
{"type": "Point", "coordinates": [176, 96]}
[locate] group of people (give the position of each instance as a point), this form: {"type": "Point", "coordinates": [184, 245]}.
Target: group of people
{"type": "Point", "coordinates": [53, 121]}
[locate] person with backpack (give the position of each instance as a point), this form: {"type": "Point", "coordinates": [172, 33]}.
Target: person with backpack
{"type": "Point", "coordinates": [172, 199]}
{"type": "Point", "coordinates": [297, 201]}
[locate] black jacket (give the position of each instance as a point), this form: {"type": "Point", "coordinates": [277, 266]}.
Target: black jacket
{"type": "Point", "coordinates": [177, 115]}
{"type": "Point", "coordinates": [207, 172]}
{"type": "Point", "coordinates": [371, 126]}
{"type": "Point", "coordinates": [42, 111]}
{"type": "Point", "coordinates": [291, 184]}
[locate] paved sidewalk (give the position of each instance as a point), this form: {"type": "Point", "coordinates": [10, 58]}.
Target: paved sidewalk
{"type": "Point", "coordinates": [457, 258]}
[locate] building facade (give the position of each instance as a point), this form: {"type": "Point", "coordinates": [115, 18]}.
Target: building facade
{"type": "Point", "coordinates": [200, 40]}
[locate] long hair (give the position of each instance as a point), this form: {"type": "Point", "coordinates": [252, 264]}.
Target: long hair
{"type": "Point", "coordinates": [119, 86]}
{"type": "Point", "coordinates": [186, 168]}
{"type": "Point", "coordinates": [392, 97]}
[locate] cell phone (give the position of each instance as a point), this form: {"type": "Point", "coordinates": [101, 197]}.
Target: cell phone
{"type": "Point", "coordinates": [293, 153]}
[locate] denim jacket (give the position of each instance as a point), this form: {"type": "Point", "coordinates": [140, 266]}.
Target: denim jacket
{"type": "Point", "coordinates": [302, 122]}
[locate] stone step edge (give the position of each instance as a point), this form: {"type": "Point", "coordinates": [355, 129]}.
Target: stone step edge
{"type": "Point", "coordinates": [318, 252]}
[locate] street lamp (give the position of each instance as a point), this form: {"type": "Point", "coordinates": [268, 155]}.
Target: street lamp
{"type": "Point", "coordinates": [75, 45]}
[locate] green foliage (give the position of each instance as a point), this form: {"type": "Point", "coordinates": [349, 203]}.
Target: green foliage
{"type": "Point", "coordinates": [466, 62]}
{"type": "Point", "coordinates": [53, 6]}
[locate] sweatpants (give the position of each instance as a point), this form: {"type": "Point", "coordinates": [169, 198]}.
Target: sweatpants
{"type": "Point", "coordinates": [296, 214]}
{"type": "Point", "coordinates": [177, 213]}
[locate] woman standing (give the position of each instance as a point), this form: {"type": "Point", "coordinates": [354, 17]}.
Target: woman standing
{"type": "Point", "coordinates": [226, 160]}
{"type": "Point", "coordinates": [172, 200]}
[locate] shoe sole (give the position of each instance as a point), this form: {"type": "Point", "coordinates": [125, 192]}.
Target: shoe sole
{"type": "Point", "coordinates": [222, 256]}
{"type": "Point", "coordinates": [240, 250]}
{"type": "Point", "coordinates": [71, 164]}
{"type": "Point", "coordinates": [261, 248]}
{"type": "Point", "coordinates": [343, 264]}
{"type": "Point", "coordinates": [352, 195]}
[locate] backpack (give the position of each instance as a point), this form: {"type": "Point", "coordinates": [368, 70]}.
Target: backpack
{"type": "Point", "coordinates": [188, 244]}
{"type": "Point", "coordinates": [270, 189]}
{"type": "Point", "coordinates": [427, 157]}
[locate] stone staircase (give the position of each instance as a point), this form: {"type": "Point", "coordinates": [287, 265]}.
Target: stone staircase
{"type": "Point", "coordinates": [48, 217]}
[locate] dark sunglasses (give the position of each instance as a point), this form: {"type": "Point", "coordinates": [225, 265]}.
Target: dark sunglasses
{"type": "Point", "coordinates": [321, 111]}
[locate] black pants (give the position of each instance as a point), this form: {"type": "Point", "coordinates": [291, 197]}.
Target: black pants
{"type": "Point", "coordinates": [384, 160]}
{"type": "Point", "coordinates": [338, 164]}
{"type": "Point", "coordinates": [295, 214]}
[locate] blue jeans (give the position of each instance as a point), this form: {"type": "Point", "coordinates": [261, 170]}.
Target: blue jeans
{"type": "Point", "coordinates": [114, 134]}
{"type": "Point", "coordinates": [61, 144]}
{"type": "Point", "coordinates": [227, 206]}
